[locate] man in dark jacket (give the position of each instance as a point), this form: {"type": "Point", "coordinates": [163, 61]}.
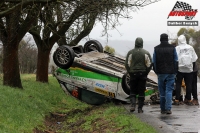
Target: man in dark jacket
{"type": "Point", "coordinates": [194, 84]}
{"type": "Point", "coordinates": [165, 65]}
{"type": "Point", "coordinates": [138, 64]}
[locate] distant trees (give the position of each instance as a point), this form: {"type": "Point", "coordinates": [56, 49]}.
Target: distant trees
{"type": "Point", "coordinates": [109, 49]}
{"type": "Point", "coordinates": [27, 56]}
{"type": "Point", "coordinates": [188, 33]}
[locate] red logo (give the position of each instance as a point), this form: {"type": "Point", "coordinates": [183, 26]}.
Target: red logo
{"type": "Point", "coordinates": [183, 9]}
{"type": "Point", "coordinates": [75, 93]}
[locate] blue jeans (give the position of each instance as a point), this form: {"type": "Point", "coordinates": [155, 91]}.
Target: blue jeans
{"type": "Point", "coordinates": [166, 87]}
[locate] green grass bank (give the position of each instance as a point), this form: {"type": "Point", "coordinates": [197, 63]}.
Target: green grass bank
{"type": "Point", "coordinates": [44, 107]}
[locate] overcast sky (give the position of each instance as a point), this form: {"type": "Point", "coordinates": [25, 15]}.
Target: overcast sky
{"type": "Point", "coordinates": [148, 22]}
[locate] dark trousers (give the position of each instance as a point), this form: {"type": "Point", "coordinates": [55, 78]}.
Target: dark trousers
{"type": "Point", "coordinates": [188, 78]}
{"type": "Point", "coordinates": [194, 85]}
{"type": "Point", "coordinates": [138, 87]}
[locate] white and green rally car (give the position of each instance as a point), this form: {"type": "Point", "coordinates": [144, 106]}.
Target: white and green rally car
{"type": "Point", "coordinates": [94, 76]}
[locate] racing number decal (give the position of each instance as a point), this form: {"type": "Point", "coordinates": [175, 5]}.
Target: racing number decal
{"type": "Point", "coordinates": [75, 93]}
{"type": "Point", "coordinates": [104, 92]}
{"type": "Point", "coordinates": [111, 94]}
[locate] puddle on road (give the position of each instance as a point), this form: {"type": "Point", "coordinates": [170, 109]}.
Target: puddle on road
{"type": "Point", "coordinates": [167, 117]}
{"type": "Point", "coordinates": [189, 132]}
{"type": "Point", "coordinates": [155, 107]}
{"type": "Point", "coordinates": [169, 120]}
{"type": "Point", "coordinates": [176, 124]}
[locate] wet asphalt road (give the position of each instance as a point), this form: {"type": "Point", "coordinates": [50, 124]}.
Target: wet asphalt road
{"type": "Point", "coordinates": [184, 118]}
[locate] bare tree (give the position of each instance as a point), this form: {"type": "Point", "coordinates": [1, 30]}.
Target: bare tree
{"type": "Point", "coordinates": [68, 22]}
{"type": "Point", "coordinates": [13, 26]}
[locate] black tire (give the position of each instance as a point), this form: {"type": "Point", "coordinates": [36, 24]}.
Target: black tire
{"type": "Point", "coordinates": [93, 45]}
{"type": "Point", "coordinates": [64, 56]}
{"type": "Point", "coordinates": [126, 83]}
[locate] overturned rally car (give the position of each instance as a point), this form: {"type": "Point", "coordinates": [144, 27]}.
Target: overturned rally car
{"type": "Point", "coordinates": [94, 76]}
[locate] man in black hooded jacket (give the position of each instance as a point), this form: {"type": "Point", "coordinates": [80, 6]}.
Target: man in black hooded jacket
{"type": "Point", "coordinates": [138, 64]}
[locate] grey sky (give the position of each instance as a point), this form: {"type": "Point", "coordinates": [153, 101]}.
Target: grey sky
{"type": "Point", "coordinates": [148, 22]}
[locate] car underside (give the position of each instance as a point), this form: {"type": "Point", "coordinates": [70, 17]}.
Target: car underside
{"type": "Point", "coordinates": [94, 76]}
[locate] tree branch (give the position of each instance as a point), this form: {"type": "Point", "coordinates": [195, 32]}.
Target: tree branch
{"type": "Point", "coordinates": [61, 32]}
{"type": "Point", "coordinates": [29, 21]}
{"type": "Point", "coordinates": [14, 8]}
{"type": "Point", "coordinates": [86, 30]}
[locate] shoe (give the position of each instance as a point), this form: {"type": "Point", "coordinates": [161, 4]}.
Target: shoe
{"type": "Point", "coordinates": [168, 112]}
{"type": "Point", "coordinates": [133, 103]}
{"type": "Point", "coordinates": [181, 103]}
{"type": "Point", "coordinates": [132, 109]}
{"type": "Point", "coordinates": [140, 111]}
{"type": "Point", "coordinates": [188, 102]}
{"type": "Point", "coordinates": [163, 112]}
{"type": "Point", "coordinates": [176, 102]}
{"type": "Point", "coordinates": [195, 102]}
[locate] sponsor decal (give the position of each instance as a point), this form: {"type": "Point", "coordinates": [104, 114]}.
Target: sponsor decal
{"type": "Point", "coordinates": [74, 77]}
{"type": "Point", "coordinates": [104, 92]}
{"type": "Point", "coordinates": [100, 85]}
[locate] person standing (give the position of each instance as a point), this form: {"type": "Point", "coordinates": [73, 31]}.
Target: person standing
{"type": "Point", "coordinates": [165, 65]}
{"type": "Point", "coordinates": [194, 85]}
{"type": "Point", "coordinates": [138, 64]}
{"type": "Point", "coordinates": [183, 88]}
{"type": "Point", "coordinates": [186, 58]}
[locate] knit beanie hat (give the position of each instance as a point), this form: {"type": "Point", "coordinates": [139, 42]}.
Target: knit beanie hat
{"type": "Point", "coordinates": [164, 37]}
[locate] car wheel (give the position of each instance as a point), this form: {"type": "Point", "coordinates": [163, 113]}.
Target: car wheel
{"type": "Point", "coordinates": [93, 45]}
{"type": "Point", "coordinates": [126, 83]}
{"type": "Point", "coordinates": [63, 56]}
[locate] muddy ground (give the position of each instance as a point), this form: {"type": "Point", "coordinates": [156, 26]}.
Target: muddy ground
{"type": "Point", "coordinates": [60, 122]}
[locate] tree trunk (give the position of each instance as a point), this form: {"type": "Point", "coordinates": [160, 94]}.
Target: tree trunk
{"type": "Point", "coordinates": [42, 65]}
{"type": "Point", "coordinates": [11, 75]}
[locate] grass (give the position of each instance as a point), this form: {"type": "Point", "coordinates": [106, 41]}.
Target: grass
{"type": "Point", "coordinates": [24, 110]}
{"type": "Point", "coordinates": [107, 118]}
